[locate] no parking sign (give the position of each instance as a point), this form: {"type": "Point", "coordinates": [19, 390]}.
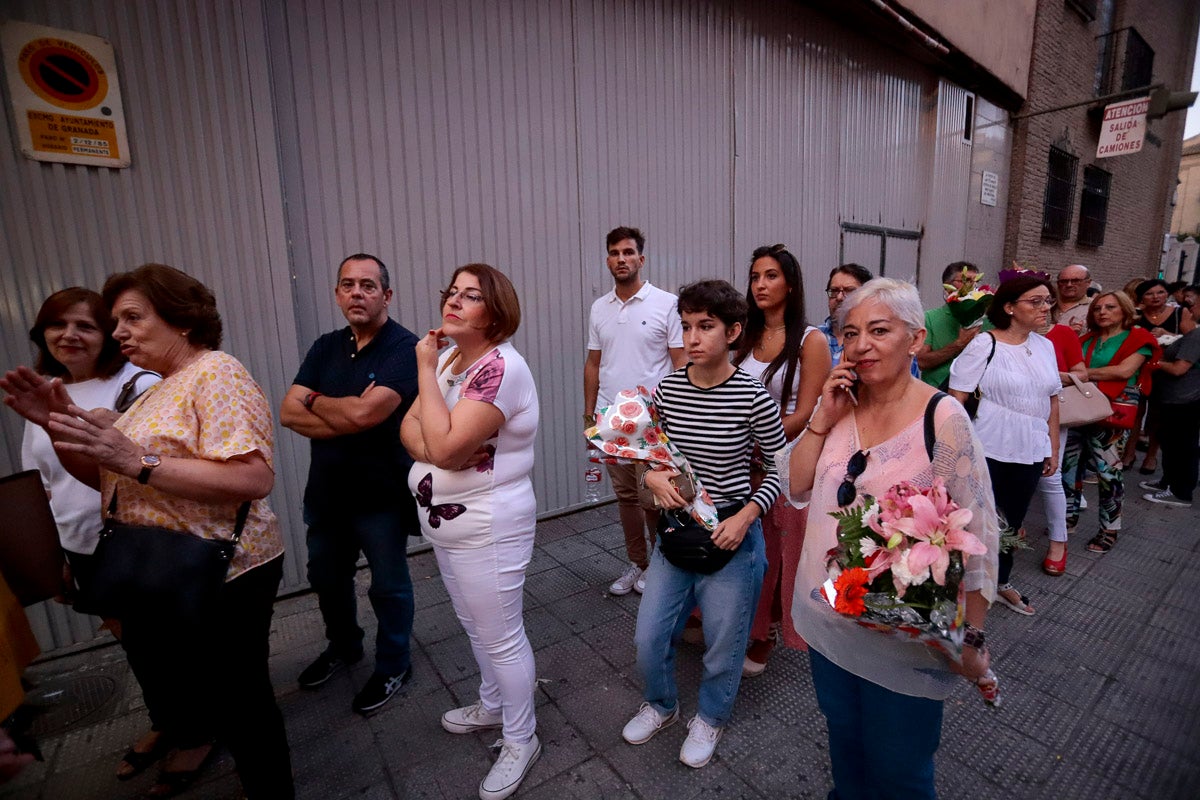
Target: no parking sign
{"type": "Point", "coordinates": [65, 95]}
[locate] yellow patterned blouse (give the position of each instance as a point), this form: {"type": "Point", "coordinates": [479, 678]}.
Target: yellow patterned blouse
{"type": "Point", "coordinates": [210, 409]}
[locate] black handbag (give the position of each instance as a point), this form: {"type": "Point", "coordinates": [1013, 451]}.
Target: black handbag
{"type": "Point", "coordinates": [688, 545]}
{"type": "Point", "coordinates": [173, 575]}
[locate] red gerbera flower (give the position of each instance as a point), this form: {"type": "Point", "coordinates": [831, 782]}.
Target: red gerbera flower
{"type": "Point", "coordinates": [851, 585]}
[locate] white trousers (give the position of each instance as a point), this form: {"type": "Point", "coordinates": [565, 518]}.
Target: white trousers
{"type": "Point", "coordinates": [486, 586]}
{"type": "Point", "coordinates": [1054, 499]}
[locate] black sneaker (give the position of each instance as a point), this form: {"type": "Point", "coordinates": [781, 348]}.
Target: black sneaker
{"type": "Point", "coordinates": [379, 690]}
{"type": "Point", "coordinates": [324, 668]}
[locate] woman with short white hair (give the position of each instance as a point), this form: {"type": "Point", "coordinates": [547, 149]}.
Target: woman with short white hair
{"type": "Point", "coordinates": [875, 426]}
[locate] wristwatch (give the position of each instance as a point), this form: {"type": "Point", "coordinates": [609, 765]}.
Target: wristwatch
{"type": "Point", "coordinates": [149, 462]}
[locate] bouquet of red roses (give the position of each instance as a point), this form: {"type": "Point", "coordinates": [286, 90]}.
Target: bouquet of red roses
{"type": "Point", "coordinates": [899, 564]}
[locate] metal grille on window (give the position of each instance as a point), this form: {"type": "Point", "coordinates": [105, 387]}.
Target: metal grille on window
{"type": "Point", "coordinates": [1093, 206]}
{"type": "Point", "coordinates": [1060, 190]}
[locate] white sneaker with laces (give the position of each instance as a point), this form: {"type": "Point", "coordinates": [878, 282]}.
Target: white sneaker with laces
{"type": "Point", "coordinates": [639, 585]}
{"type": "Point", "coordinates": [646, 723]}
{"type": "Point", "coordinates": [700, 744]}
{"type": "Point", "coordinates": [1152, 486]}
{"type": "Point", "coordinates": [469, 719]}
{"type": "Point", "coordinates": [625, 583]}
{"type": "Point", "coordinates": [511, 767]}
{"type": "Point", "coordinates": [1167, 498]}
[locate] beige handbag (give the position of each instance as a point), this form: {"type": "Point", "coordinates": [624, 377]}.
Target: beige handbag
{"type": "Point", "coordinates": [1082, 403]}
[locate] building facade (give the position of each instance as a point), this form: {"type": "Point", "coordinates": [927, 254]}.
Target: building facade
{"type": "Point", "coordinates": [1110, 214]}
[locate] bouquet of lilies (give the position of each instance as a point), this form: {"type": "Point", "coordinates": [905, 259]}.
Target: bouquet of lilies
{"type": "Point", "coordinates": [899, 564]}
{"type": "Point", "coordinates": [969, 302]}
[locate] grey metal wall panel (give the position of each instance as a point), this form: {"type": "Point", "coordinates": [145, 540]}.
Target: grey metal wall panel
{"type": "Point", "coordinates": [434, 135]}
{"type": "Point", "coordinates": [950, 181]}
{"type": "Point", "coordinates": [202, 194]}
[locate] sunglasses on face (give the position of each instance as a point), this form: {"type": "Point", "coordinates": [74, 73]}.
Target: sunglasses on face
{"type": "Point", "coordinates": [847, 492]}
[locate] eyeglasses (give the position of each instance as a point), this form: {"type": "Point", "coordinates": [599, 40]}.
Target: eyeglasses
{"type": "Point", "coordinates": [467, 296]}
{"type": "Point", "coordinates": [847, 492]}
{"type": "Point", "coordinates": [1037, 302]}
{"type": "Point", "coordinates": [831, 293]}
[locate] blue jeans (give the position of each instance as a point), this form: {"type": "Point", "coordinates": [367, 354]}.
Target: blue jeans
{"type": "Point", "coordinates": [333, 549]}
{"type": "Point", "coordinates": [727, 600]}
{"type": "Point", "coordinates": [881, 743]}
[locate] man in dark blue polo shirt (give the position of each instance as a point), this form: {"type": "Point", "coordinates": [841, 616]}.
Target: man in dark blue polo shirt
{"type": "Point", "coordinates": [349, 396]}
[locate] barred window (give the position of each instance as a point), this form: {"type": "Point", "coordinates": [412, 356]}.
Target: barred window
{"type": "Point", "coordinates": [1060, 192]}
{"type": "Point", "coordinates": [1093, 206]}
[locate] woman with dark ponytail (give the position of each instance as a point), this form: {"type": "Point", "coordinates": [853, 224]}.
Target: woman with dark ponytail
{"type": "Point", "coordinates": [779, 350]}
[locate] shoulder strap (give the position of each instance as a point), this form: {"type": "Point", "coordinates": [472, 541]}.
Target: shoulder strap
{"type": "Point", "coordinates": [991, 353]}
{"type": "Point", "coordinates": [129, 393]}
{"type": "Point", "coordinates": [243, 513]}
{"type": "Point", "coordinates": [930, 432]}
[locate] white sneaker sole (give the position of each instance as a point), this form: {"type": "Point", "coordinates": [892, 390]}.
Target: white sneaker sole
{"type": "Point", "coordinates": [617, 591]}
{"type": "Point", "coordinates": [456, 727]}
{"type": "Point", "coordinates": [508, 791]}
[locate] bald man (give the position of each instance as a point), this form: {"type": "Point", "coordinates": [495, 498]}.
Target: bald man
{"type": "Point", "coordinates": [1072, 307]}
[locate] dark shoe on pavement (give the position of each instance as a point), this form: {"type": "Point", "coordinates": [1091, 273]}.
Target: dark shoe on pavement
{"type": "Point", "coordinates": [1152, 486]}
{"type": "Point", "coordinates": [325, 667]}
{"type": "Point", "coordinates": [378, 690]}
{"type": "Point", "coordinates": [1167, 498]}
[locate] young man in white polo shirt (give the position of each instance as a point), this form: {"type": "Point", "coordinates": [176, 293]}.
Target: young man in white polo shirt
{"type": "Point", "coordinates": [634, 339]}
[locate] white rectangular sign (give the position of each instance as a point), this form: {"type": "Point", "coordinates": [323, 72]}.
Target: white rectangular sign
{"type": "Point", "coordinates": [989, 188]}
{"type": "Point", "coordinates": [65, 95]}
{"type": "Point", "coordinates": [1124, 128]}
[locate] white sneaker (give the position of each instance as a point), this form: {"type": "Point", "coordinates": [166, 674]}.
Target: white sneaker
{"type": "Point", "coordinates": [511, 767]}
{"type": "Point", "coordinates": [700, 744]}
{"type": "Point", "coordinates": [469, 719]}
{"type": "Point", "coordinates": [1083, 502]}
{"type": "Point", "coordinates": [646, 723]}
{"type": "Point", "coordinates": [1167, 498]}
{"type": "Point", "coordinates": [1152, 486]}
{"type": "Point", "coordinates": [625, 583]}
{"type": "Point", "coordinates": [639, 585]}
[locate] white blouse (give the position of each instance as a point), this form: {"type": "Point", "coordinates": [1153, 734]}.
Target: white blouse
{"type": "Point", "coordinates": [1016, 389]}
{"type": "Point", "coordinates": [756, 368]}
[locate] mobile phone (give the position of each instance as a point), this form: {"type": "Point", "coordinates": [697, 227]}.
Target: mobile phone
{"type": "Point", "coordinates": [852, 390]}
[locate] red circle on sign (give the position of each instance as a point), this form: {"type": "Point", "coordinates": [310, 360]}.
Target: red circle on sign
{"type": "Point", "coordinates": [64, 76]}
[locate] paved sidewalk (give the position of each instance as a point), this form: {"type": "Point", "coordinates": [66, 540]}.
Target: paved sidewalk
{"type": "Point", "coordinates": [1100, 692]}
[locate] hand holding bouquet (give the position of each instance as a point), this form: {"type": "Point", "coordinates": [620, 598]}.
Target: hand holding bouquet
{"type": "Point", "coordinates": [969, 302]}
{"type": "Point", "coordinates": [628, 431]}
{"type": "Point", "coordinates": [899, 564]}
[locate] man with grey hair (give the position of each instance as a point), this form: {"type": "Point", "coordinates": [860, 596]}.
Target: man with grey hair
{"type": "Point", "coordinates": [1072, 307]}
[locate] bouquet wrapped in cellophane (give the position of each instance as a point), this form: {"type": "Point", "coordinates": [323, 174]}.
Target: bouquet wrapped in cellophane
{"type": "Point", "coordinates": [969, 302]}
{"type": "Point", "coordinates": [628, 431]}
{"type": "Point", "coordinates": [898, 569]}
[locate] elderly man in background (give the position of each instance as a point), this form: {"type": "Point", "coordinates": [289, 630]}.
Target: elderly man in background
{"type": "Point", "coordinates": [1072, 307]}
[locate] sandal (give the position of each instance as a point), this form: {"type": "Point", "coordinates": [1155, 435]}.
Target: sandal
{"type": "Point", "coordinates": [1021, 606]}
{"type": "Point", "coordinates": [1102, 542]}
{"type": "Point", "coordinates": [172, 782]}
{"type": "Point", "coordinates": [138, 761]}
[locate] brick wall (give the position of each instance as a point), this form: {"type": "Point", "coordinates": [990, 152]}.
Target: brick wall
{"type": "Point", "coordinates": [1063, 70]}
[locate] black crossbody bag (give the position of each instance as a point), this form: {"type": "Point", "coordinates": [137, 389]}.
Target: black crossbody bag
{"type": "Point", "coordinates": [174, 575]}
{"type": "Point", "coordinates": [688, 545]}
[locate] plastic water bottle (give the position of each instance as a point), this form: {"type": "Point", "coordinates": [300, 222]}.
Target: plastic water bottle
{"type": "Point", "coordinates": [592, 478]}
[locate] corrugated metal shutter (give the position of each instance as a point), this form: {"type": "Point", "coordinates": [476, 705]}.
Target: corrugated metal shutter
{"type": "Point", "coordinates": [202, 195]}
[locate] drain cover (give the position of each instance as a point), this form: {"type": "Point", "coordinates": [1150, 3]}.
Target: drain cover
{"type": "Point", "coordinates": [59, 703]}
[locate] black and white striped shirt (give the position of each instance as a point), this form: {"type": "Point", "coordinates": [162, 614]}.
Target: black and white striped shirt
{"type": "Point", "coordinates": [717, 429]}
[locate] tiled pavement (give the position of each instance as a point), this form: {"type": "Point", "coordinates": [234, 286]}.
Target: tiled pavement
{"type": "Point", "coordinates": [1101, 698]}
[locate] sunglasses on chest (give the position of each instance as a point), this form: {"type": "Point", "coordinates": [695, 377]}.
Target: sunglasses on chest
{"type": "Point", "coordinates": [847, 492]}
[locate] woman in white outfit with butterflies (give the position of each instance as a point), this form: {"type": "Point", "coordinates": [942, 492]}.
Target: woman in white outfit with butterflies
{"type": "Point", "coordinates": [471, 432]}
